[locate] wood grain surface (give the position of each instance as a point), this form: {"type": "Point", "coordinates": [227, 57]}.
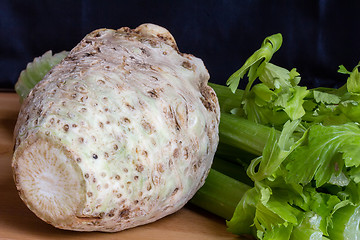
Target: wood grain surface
{"type": "Point", "coordinates": [18, 222]}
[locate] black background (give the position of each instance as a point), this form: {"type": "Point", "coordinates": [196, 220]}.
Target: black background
{"type": "Point", "coordinates": [318, 35]}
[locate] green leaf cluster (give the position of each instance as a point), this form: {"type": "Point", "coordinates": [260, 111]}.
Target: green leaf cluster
{"type": "Point", "coordinates": [305, 171]}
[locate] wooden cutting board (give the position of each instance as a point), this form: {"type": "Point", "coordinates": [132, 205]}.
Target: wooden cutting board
{"type": "Point", "coordinates": [18, 222]}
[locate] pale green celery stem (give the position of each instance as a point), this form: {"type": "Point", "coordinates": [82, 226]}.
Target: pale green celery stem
{"type": "Point", "coordinates": [220, 194]}
{"type": "Point", "coordinates": [244, 134]}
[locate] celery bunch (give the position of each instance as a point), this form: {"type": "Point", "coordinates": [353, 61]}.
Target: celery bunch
{"type": "Point", "coordinates": [299, 147]}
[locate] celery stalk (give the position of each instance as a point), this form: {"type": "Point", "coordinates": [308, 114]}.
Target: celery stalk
{"type": "Point", "coordinates": [243, 134]}
{"type": "Point", "coordinates": [220, 194]}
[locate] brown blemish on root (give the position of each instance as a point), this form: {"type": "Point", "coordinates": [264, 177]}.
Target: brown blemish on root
{"type": "Point", "coordinates": [187, 65]}
{"type": "Point", "coordinates": [129, 106]}
{"type": "Point", "coordinates": [66, 127]}
{"type": "Point", "coordinates": [139, 168]}
{"type": "Point", "coordinates": [153, 93]}
{"type": "Point", "coordinates": [124, 213]}
{"type": "Point", "coordinates": [160, 168]}
{"type": "Point", "coordinates": [175, 191]}
{"type": "Point", "coordinates": [126, 120]}
{"type": "Point", "coordinates": [176, 153]}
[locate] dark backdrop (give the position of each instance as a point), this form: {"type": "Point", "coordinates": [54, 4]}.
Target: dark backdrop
{"type": "Point", "coordinates": [318, 35]}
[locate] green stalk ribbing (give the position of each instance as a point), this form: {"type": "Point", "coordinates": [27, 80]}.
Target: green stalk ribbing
{"type": "Point", "coordinates": [244, 134]}
{"type": "Point", "coordinates": [220, 194]}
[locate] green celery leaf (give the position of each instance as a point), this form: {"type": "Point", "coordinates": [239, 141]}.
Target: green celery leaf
{"type": "Point", "coordinates": [330, 115]}
{"type": "Point", "coordinates": [263, 94]}
{"type": "Point", "coordinates": [309, 105]}
{"type": "Point", "coordinates": [326, 98]}
{"type": "Point", "coordinates": [276, 77]}
{"type": "Point", "coordinates": [275, 152]}
{"type": "Point", "coordinates": [320, 207]}
{"type": "Point", "coordinates": [339, 179]}
{"type": "Point", "coordinates": [282, 232]}
{"type": "Point", "coordinates": [349, 194]}
{"type": "Point", "coordinates": [263, 55]}
{"type": "Point", "coordinates": [294, 77]}
{"type": "Point", "coordinates": [265, 208]}
{"type": "Point", "coordinates": [277, 201]}
{"type": "Point", "coordinates": [353, 82]}
{"type": "Point", "coordinates": [319, 159]}
{"type": "Point", "coordinates": [323, 205]}
{"type": "Point", "coordinates": [265, 218]}
{"type": "Point", "coordinates": [354, 174]}
{"type": "Point", "coordinates": [342, 69]}
{"type": "Point", "coordinates": [259, 111]}
{"type": "Point", "coordinates": [275, 208]}
{"type": "Point", "coordinates": [309, 228]}
{"type": "Point", "coordinates": [243, 218]}
{"type": "Point", "coordinates": [346, 222]}
{"type": "Point", "coordinates": [292, 102]}
{"type": "Point", "coordinates": [351, 109]}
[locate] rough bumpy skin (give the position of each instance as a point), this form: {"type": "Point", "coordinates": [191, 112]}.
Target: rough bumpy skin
{"type": "Point", "coordinates": [121, 133]}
